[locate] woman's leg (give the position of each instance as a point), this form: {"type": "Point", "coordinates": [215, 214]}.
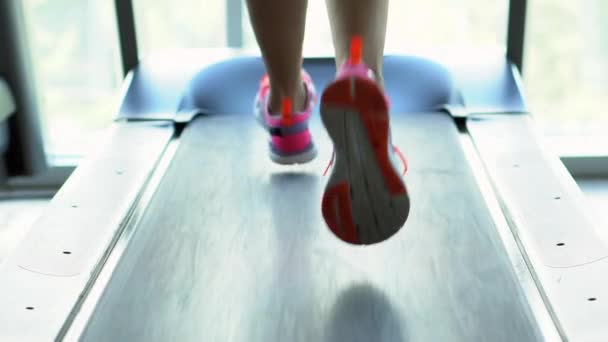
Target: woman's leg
{"type": "Point", "coordinates": [364, 18]}
{"type": "Point", "coordinates": [279, 30]}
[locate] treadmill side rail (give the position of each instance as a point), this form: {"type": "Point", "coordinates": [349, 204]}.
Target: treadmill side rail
{"type": "Point", "coordinates": [48, 274]}
{"type": "Point", "coordinates": [565, 249]}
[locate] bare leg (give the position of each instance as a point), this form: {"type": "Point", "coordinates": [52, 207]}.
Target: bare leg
{"type": "Point", "coordinates": [279, 30]}
{"type": "Point", "coordinates": [365, 18]}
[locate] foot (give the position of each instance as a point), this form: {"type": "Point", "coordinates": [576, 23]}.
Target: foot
{"type": "Point", "coordinates": [290, 139]}
{"type": "Point", "coordinates": [365, 200]}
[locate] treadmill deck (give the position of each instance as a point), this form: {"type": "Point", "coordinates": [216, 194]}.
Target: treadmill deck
{"type": "Point", "coordinates": [234, 248]}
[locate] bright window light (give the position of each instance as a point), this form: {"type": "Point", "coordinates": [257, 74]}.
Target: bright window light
{"type": "Point", "coordinates": [566, 72]}
{"type": "Point", "coordinates": [74, 49]}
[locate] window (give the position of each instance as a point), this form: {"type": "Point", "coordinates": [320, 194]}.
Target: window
{"type": "Point", "coordinates": [164, 24]}
{"type": "Point", "coordinates": [566, 73]}
{"type": "Point", "coordinates": [417, 25]}
{"type": "Point", "coordinates": [77, 69]}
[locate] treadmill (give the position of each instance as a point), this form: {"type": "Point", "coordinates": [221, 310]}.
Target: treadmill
{"type": "Point", "coordinates": [179, 228]}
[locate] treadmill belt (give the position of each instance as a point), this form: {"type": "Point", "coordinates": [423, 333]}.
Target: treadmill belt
{"type": "Point", "coordinates": [234, 248]}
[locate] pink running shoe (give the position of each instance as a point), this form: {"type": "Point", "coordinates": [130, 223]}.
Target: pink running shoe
{"type": "Point", "coordinates": [290, 138]}
{"type": "Point", "coordinates": [365, 200]}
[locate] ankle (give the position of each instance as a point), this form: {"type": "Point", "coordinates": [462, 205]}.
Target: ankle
{"type": "Point", "coordinates": [374, 71]}
{"type": "Point", "coordinates": [299, 97]}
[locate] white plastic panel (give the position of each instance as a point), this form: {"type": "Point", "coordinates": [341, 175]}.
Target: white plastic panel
{"type": "Point", "coordinates": [583, 298]}
{"type": "Point", "coordinates": [564, 245]}
{"type": "Point", "coordinates": [552, 215]}
{"type": "Point", "coordinates": [67, 242]}
{"type": "Point", "coordinates": [45, 277]}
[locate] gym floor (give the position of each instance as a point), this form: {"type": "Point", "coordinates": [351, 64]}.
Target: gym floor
{"type": "Point", "coordinates": [16, 216]}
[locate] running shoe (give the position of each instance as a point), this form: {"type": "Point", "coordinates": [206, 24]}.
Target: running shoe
{"type": "Point", "coordinates": [290, 139]}
{"type": "Point", "coordinates": [365, 200]}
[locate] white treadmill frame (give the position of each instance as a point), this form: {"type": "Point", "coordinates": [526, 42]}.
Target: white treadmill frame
{"type": "Point", "coordinates": [565, 249]}
{"type": "Point", "coordinates": [46, 278]}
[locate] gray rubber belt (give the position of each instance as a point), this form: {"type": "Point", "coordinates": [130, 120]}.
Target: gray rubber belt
{"type": "Point", "coordinates": [234, 248]}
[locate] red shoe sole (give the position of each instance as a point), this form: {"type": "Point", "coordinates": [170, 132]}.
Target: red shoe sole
{"type": "Point", "coordinates": [355, 114]}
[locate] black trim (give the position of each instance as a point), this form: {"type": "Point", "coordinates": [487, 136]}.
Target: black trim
{"type": "Point", "coordinates": [516, 32]}
{"type": "Point", "coordinates": [275, 131]}
{"type": "Point", "coordinates": [127, 34]}
{"type": "Point", "coordinates": [25, 155]}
